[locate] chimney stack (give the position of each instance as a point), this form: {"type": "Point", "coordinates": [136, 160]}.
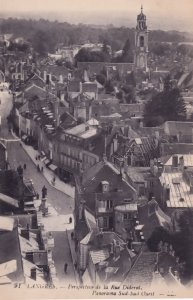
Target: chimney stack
{"type": "Point", "coordinates": [175, 161]}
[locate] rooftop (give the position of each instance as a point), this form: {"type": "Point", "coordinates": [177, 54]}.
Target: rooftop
{"type": "Point", "coordinates": [180, 195]}
{"type": "Point", "coordinates": [82, 130]}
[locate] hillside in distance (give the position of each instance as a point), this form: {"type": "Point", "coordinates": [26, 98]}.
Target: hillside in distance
{"type": "Point", "coordinates": [68, 34]}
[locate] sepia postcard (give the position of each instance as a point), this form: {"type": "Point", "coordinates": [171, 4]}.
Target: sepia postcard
{"type": "Point", "coordinates": [96, 149]}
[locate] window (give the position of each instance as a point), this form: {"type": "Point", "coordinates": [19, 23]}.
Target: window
{"type": "Point", "coordinates": [141, 41]}
{"type": "Point", "coordinates": [109, 204]}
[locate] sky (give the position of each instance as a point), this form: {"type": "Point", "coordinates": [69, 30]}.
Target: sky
{"type": "Point", "coordinates": [166, 14]}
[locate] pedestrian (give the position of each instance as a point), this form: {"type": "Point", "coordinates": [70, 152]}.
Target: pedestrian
{"type": "Point", "coordinates": [24, 166]}
{"type": "Point", "coordinates": [72, 235]}
{"type": "Point", "coordinates": [39, 157]}
{"type": "Point", "coordinates": [36, 157]}
{"type": "Point", "coordinates": [70, 220]}
{"type": "Point", "coordinates": [44, 192]}
{"type": "Point", "coordinates": [42, 169]}
{"type": "Point", "coordinates": [38, 168]}
{"type": "Point", "coordinates": [37, 196]}
{"type": "Point", "coordinates": [65, 267]}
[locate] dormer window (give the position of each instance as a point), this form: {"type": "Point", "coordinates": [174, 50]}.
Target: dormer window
{"type": "Point", "coordinates": [105, 186]}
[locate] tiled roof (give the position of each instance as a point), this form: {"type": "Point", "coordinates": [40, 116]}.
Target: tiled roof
{"type": "Point", "coordinates": [142, 270]}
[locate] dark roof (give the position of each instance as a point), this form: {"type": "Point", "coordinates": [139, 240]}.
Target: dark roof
{"type": "Point", "coordinates": [92, 187]}
{"type": "Point", "coordinates": [11, 184]}
{"type": "Point", "coordinates": [67, 120]}
{"type": "Point", "coordinates": [74, 86]}
{"type": "Point", "coordinates": [142, 270]}
{"type": "Point", "coordinates": [151, 216]}
{"type": "Point", "coordinates": [10, 250]}
{"type": "Point", "coordinates": [35, 79]}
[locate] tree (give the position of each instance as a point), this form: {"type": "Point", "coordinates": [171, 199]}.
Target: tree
{"type": "Point", "coordinates": [127, 55]}
{"type": "Point", "coordinates": [165, 106]}
{"type": "Point", "coordinates": [181, 241]}
{"type": "Point", "coordinates": [101, 78]}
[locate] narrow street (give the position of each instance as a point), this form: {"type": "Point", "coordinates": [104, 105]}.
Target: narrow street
{"type": "Point", "coordinates": [60, 205]}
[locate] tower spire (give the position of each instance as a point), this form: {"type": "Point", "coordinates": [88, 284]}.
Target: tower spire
{"type": "Point", "coordinates": [141, 8]}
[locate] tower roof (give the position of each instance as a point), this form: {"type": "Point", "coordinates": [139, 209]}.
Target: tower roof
{"type": "Point", "coordinates": [141, 20]}
{"type": "Point", "coordinates": [141, 16]}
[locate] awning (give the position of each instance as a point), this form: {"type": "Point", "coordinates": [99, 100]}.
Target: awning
{"type": "Point", "coordinates": [42, 159]}
{"type": "Point", "coordinates": [53, 167]}
{"type": "Point", "coordinates": [43, 153]}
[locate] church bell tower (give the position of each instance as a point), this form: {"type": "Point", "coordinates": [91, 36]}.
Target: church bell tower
{"type": "Point", "coordinates": [141, 42]}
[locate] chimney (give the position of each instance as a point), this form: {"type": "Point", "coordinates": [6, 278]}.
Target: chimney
{"type": "Point", "coordinates": [33, 273]}
{"type": "Point", "coordinates": [47, 79]}
{"type": "Point", "coordinates": [175, 161]}
{"type": "Point", "coordinates": [181, 163]}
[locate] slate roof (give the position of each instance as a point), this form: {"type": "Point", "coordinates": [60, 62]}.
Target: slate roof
{"type": "Point", "coordinates": [92, 189]}
{"type": "Point", "coordinates": [147, 149]}
{"type": "Point", "coordinates": [10, 250]}
{"type": "Point", "coordinates": [142, 270]}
